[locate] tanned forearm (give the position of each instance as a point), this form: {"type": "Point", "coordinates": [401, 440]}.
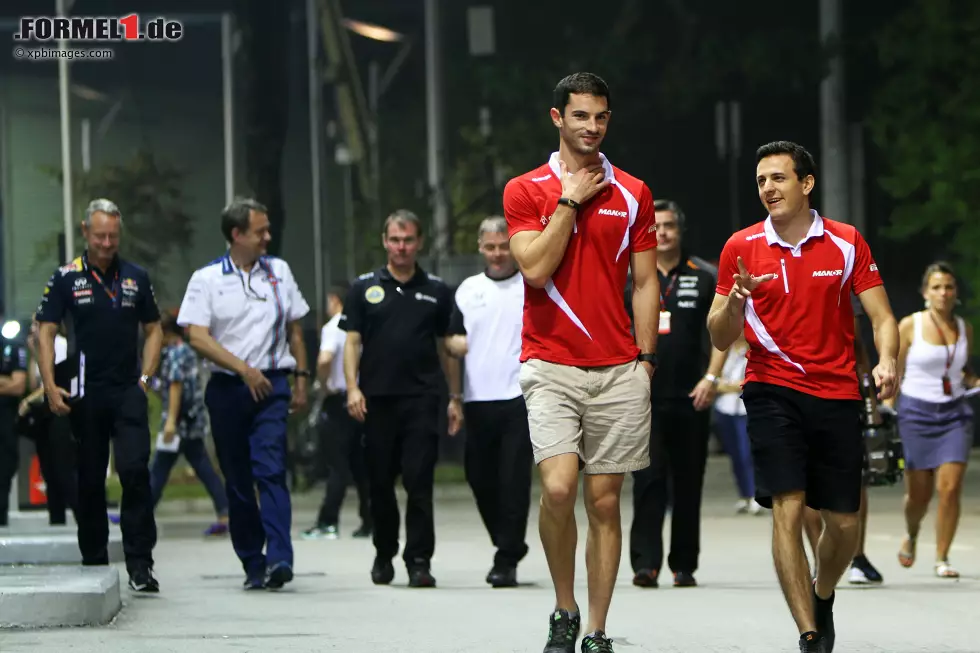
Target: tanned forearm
{"type": "Point", "coordinates": [717, 361]}
{"type": "Point", "coordinates": [646, 314]}
{"type": "Point", "coordinates": [173, 401]}
{"type": "Point", "coordinates": [450, 367]}
{"type": "Point", "coordinates": [45, 353]}
{"type": "Point", "coordinates": [13, 385]}
{"type": "Point", "coordinates": [352, 358]}
{"type": "Point", "coordinates": [297, 347]}
{"type": "Point", "coordinates": [151, 347]}
{"type": "Point", "coordinates": [725, 322]}
{"type": "Point", "coordinates": [323, 363]}
{"type": "Point", "coordinates": [541, 257]}
{"type": "Point", "coordinates": [205, 345]}
{"type": "Point", "coordinates": [886, 337]}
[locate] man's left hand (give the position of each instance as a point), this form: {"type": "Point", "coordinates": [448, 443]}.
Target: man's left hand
{"type": "Point", "coordinates": [885, 377]}
{"type": "Point", "coordinates": [703, 394]}
{"type": "Point", "coordinates": [455, 414]}
{"type": "Point", "coordinates": [649, 368]}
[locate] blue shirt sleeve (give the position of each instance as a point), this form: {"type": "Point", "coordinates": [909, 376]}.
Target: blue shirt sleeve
{"type": "Point", "coordinates": [53, 303]}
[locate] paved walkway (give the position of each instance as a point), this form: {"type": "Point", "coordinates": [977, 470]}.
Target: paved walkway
{"type": "Point", "coordinates": [332, 606]}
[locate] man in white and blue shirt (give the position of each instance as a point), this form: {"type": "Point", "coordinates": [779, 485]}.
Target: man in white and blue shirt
{"type": "Point", "coordinates": [243, 312]}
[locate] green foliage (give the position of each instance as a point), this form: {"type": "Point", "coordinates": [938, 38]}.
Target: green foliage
{"type": "Point", "coordinates": [926, 122]}
{"type": "Point", "coordinates": [150, 195]}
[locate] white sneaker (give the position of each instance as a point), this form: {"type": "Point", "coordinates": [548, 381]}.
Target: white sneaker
{"type": "Point", "coordinates": [857, 577]}
{"type": "Point", "coordinates": [755, 508]}
{"type": "Point", "coordinates": [742, 506]}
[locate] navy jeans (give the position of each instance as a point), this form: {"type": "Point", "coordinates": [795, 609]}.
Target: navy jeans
{"type": "Point", "coordinates": [197, 456]}
{"type": "Point", "coordinates": [732, 432]}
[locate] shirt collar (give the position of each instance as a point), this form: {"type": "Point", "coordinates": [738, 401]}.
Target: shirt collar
{"type": "Point", "coordinates": [113, 265]}
{"type": "Point", "coordinates": [419, 276]}
{"type": "Point", "coordinates": [228, 266]}
{"type": "Point", "coordinates": [606, 167]}
{"type": "Point", "coordinates": [816, 231]}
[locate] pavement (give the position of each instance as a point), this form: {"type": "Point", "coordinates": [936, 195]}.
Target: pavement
{"type": "Point", "coordinates": [332, 605]}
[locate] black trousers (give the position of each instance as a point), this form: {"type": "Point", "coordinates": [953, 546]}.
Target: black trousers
{"type": "Point", "coordinates": [117, 414]}
{"type": "Point", "coordinates": [341, 440]}
{"type": "Point", "coordinates": [9, 459]}
{"type": "Point", "coordinates": [402, 437]}
{"type": "Point", "coordinates": [55, 448]}
{"type": "Point", "coordinates": [499, 462]}
{"type": "Point", "coordinates": [678, 455]}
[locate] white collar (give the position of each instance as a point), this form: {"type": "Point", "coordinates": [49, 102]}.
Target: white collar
{"type": "Point", "coordinates": [606, 167]}
{"type": "Point", "coordinates": [816, 231]}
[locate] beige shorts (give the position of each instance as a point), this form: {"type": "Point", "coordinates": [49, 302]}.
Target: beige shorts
{"type": "Point", "coordinates": [600, 413]}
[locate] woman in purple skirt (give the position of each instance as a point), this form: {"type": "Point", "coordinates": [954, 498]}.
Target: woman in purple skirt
{"type": "Point", "coordinates": [934, 419]}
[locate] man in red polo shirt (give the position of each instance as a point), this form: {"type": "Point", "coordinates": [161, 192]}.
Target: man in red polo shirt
{"type": "Point", "coordinates": [787, 281]}
{"type": "Point", "coordinates": [577, 225]}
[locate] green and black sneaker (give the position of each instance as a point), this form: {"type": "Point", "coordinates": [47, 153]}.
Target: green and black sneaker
{"type": "Point", "coordinates": [562, 632]}
{"type": "Point", "coordinates": [597, 642]}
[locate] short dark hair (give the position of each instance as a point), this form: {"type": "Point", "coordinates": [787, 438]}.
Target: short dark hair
{"type": "Point", "coordinates": [403, 217]}
{"type": "Point", "coordinates": [168, 322]}
{"type": "Point", "coordinates": [941, 267]}
{"type": "Point", "coordinates": [803, 163]}
{"type": "Point", "coordinates": [673, 207]}
{"type": "Point", "coordinates": [339, 289]}
{"type": "Point", "coordinates": [579, 84]}
{"type": "Point", "coordinates": [237, 214]}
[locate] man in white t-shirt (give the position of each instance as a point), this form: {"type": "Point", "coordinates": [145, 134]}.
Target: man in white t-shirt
{"type": "Point", "coordinates": [341, 438]}
{"type": "Point", "coordinates": [485, 330]}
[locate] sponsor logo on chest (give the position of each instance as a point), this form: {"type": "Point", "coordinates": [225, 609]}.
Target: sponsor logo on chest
{"type": "Point", "coordinates": [828, 273]}
{"type": "Point", "coordinates": [613, 212]}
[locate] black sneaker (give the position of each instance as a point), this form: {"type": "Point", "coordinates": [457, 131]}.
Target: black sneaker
{"type": "Point", "coordinates": [812, 643]}
{"type": "Point", "coordinates": [254, 581]}
{"type": "Point", "coordinates": [420, 577]}
{"type": "Point", "coordinates": [562, 632]}
{"type": "Point", "coordinates": [863, 572]}
{"type": "Point", "coordinates": [501, 576]}
{"type": "Point", "coordinates": [684, 579]}
{"type": "Point", "coordinates": [646, 578]}
{"type": "Point", "coordinates": [278, 575]}
{"type": "Point", "coordinates": [383, 572]}
{"type": "Point", "coordinates": [824, 613]}
{"type": "Point", "coordinates": [142, 580]}
{"type": "Point", "coordinates": [362, 532]}
{"type": "Point", "coordinates": [597, 642]}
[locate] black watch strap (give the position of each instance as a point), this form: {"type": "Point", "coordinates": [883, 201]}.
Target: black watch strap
{"type": "Point", "coordinates": [303, 373]}
{"type": "Point", "coordinates": [569, 202]}
{"type": "Point", "coordinates": [648, 358]}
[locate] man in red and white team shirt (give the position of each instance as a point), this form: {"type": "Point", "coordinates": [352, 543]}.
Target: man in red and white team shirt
{"type": "Point", "coordinates": [787, 282]}
{"type": "Point", "coordinates": [577, 225]}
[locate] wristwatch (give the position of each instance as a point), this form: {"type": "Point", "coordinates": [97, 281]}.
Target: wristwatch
{"type": "Point", "coordinates": [305, 373]}
{"type": "Point", "coordinates": [569, 203]}
{"type": "Point", "coordinates": [455, 397]}
{"type": "Point", "coordinates": [145, 380]}
{"type": "Point", "coordinates": [648, 358]}
{"type": "Point", "coordinates": [711, 378]}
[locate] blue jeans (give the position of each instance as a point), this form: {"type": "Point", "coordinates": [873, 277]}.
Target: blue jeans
{"type": "Point", "coordinates": [734, 436]}
{"type": "Point", "coordinates": [197, 456]}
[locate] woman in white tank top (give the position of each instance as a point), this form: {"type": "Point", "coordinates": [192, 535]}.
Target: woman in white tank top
{"type": "Point", "coordinates": [935, 421]}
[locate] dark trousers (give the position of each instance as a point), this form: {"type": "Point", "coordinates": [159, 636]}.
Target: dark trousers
{"type": "Point", "coordinates": [401, 437]}
{"type": "Point", "coordinates": [117, 414]}
{"type": "Point", "coordinates": [678, 455]}
{"type": "Point", "coordinates": [498, 462]}
{"type": "Point", "coordinates": [55, 450]}
{"type": "Point", "coordinates": [341, 439]}
{"type": "Point", "coordinates": [733, 432]}
{"type": "Point", "coordinates": [196, 454]}
{"type": "Point", "coordinates": [9, 459]}
{"type": "Point", "coordinates": [250, 440]}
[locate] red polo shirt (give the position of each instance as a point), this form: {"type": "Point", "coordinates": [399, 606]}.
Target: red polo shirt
{"type": "Point", "coordinates": [800, 325]}
{"type": "Point", "coordinates": [578, 318]}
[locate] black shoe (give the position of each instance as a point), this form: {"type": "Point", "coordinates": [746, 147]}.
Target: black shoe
{"type": "Point", "coordinates": [363, 531]}
{"type": "Point", "coordinates": [684, 579]}
{"type": "Point", "coordinates": [823, 610]}
{"type": "Point", "coordinates": [420, 577]}
{"type": "Point", "coordinates": [501, 576]}
{"type": "Point", "coordinates": [646, 578]}
{"type": "Point", "coordinates": [278, 575]}
{"type": "Point", "coordinates": [862, 571]}
{"type": "Point", "coordinates": [597, 642]}
{"type": "Point", "coordinates": [255, 580]}
{"type": "Point", "coordinates": [812, 643]}
{"type": "Point", "coordinates": [383, 572]}
{"type": "Point", "coordinates": [142, 580]}
{"type": "Point", "coordinates": [562, 632]}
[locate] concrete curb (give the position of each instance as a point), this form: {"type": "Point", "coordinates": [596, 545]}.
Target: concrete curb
{"type": "Point", "coordinates": [44, 597]}
{"type": "Point", "coordinates": [51, 549]}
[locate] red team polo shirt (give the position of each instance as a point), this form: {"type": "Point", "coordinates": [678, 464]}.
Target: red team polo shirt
{"type": "Point", "coordinates": [579, 317]}
{"type": "Point", "coordinates": [800, 325]}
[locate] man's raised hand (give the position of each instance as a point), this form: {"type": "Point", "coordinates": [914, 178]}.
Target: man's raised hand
{"type": "Point", "coordinates": [745, 282]}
